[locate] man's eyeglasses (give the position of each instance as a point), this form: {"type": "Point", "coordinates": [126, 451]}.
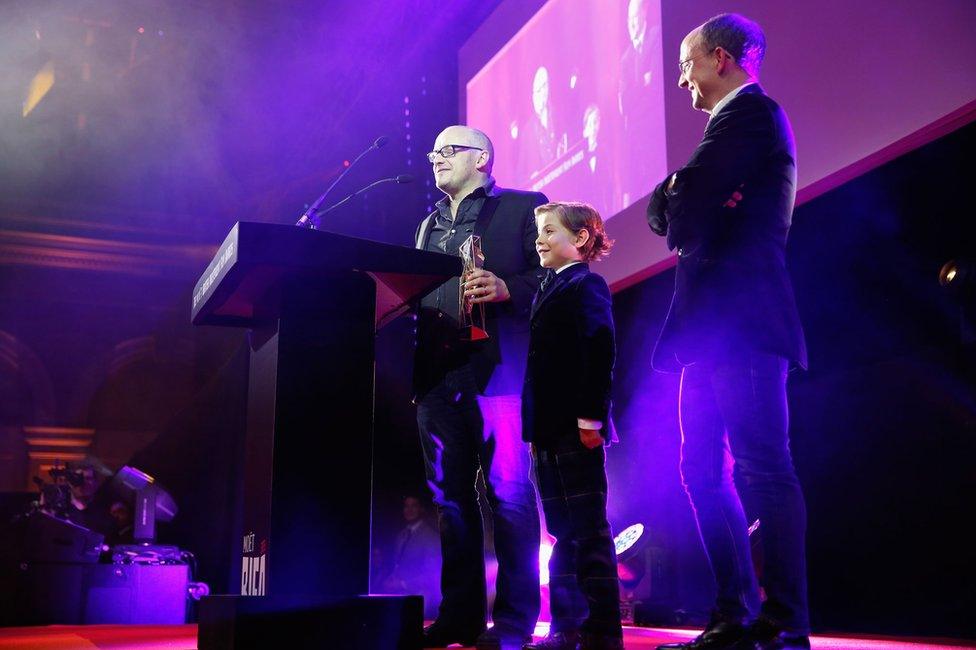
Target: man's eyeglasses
{"type": "Point", "coordinates": [449, 150]}
{"type": "Point", "coordinates": [684, 66]}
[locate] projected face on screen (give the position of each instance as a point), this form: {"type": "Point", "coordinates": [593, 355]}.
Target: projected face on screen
{"type": "Point", "coordinates": [540, 93]}
{"type": "Point", "coordinates": [574, 103]}
{"type": "Point", "coordinates": [637, 22]}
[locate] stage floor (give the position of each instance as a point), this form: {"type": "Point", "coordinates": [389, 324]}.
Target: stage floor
{"type": "Point", "coordinates": [184, 637]}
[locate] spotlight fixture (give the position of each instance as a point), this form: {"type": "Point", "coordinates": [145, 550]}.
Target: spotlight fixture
{"type": "Point", "coordinates": [958, 274]}
{"type": "Point", "coordinates": [152, 502]}
{"type": "Point", "coordinates": [631, 566]}
{"type": "Point", "coordinates": [958, 279]}
{"type": "Point", "coordinates": [626, 542]}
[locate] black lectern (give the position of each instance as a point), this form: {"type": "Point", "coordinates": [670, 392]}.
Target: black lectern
{"type": "Point", "coordinates": [312, 301]}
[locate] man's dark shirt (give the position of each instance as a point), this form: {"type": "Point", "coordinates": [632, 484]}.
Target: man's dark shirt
{"type": "Point", "coordinates": [446, 236]}
{"type": "Point", "coordinates": [504, 219]}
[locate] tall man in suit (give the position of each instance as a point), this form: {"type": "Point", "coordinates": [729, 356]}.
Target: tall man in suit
{"type": "Point", "coordinates": [733, 331]}
{"type": "Point", "coordinates": [467, 395]}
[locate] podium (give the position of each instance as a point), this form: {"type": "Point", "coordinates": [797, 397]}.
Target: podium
{"type": "Point", "coordinates": [312, 302]}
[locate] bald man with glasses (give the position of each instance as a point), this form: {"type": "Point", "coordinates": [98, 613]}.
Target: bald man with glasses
{"type": "Point", "coordinates": [467, 396]}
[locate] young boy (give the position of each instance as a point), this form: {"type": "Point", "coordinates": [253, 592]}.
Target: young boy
{"type": "Point", "coordinates": [565, 415]}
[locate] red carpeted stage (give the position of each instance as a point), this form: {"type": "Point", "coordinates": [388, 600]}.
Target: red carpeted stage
{"type": "Point", "coordinates": [184, 637]}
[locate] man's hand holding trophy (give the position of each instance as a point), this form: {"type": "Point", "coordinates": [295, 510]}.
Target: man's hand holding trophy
{"type": "Point", "coordinates": [478, 287]}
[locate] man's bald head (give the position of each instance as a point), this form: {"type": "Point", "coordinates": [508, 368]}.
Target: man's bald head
{"type": "Point", "coordinates": [466, 135]}
{"type": "Point", "coordinates": [741, 37]}
{"type": "Point", "coordinates": [470, 166]}
{"type": "Point", "coordinates": [637, 21]}
{"type": "Point", "coordinates": [718, 56]}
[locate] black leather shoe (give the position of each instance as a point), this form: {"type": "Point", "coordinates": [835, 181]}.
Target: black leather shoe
{"type": "Point", "coordinates": [590, 641]}
{"type": "Point", "coordinates": [502, 638]}
{"type": "Point", "coordinates": [555, 641]}
{"type": "Point", "coordinates": [719, 635]}
{"type": "Point", "coordinates": [784, 641]}
{"type": "Point", "coordinates": [439, 635]}
{"type": "Point", "coordinates": [766, 635]}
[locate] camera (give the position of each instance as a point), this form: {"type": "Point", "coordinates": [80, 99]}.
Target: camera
{"type": "Point", "coordinates": [74, 477]}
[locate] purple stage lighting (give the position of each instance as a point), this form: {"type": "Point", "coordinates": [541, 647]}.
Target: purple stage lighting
{"type": "Point", "coordinates": [545, 552]}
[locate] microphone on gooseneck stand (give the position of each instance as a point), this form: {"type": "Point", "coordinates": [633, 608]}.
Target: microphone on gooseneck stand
{"type": "Point", "coordinates": [399, 180]}
{"type": "Point", "coordinates": [310, 219]}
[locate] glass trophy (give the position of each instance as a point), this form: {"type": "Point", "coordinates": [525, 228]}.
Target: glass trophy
{"type": "Point", "coordinates": [472, 315]}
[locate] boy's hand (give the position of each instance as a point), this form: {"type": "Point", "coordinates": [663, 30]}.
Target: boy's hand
{"type": "Point", "coordinates": [590, 438]}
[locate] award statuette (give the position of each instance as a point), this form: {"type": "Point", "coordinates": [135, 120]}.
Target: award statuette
{"type": "Point", "coordinates": [472, 316]}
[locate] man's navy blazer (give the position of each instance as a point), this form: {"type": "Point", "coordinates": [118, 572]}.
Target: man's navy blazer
{"type": "Point", "coordinates": [732, 292]}
{"type": "Point", "coordinates": [506, 225]}
{"type": "Point", "coordinates": [571, 358]}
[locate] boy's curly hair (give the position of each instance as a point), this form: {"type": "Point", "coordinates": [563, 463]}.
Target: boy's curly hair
{"type": "Point", "coordinates": [577, 216]}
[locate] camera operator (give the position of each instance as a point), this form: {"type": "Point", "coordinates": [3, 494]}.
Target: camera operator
{"type": "Point", "coordinates": [74, 495]}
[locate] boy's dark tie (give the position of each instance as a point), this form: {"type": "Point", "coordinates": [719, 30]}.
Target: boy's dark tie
{"type": "Point", "coordinates": [546, 280]}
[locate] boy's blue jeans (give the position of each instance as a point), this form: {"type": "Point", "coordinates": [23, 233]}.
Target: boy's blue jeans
{"type": "Point", "coordinates": [734, 415]}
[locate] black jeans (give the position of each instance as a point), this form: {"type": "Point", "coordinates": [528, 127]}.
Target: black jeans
{"type": "Point", "coordinates": [584, 592]}
{"type": "Point", "coordinates": [734, 415]}
{"type": "Point", "coordinates": [462, 432]}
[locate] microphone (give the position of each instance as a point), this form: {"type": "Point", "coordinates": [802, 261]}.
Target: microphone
{"type": "Point", "coordinates": [310, 219]}
{"type": "Point", "coordinates": [399, 180]}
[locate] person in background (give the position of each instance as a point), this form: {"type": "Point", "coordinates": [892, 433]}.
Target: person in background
{"type": "Point", "coordinates": [416, 557]}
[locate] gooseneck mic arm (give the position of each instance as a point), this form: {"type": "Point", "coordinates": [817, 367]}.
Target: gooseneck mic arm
{"type": "Point", "coordinates": [310, 219]}
{"type": "Point", "coordinates": [399, 180]}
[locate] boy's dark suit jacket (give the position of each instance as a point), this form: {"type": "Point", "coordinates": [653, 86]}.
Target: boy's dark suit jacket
{"type": "Point", "coordinates": [506, 225]}
{"type": "Point", "coordinates": [732, 292]}
{"type": "Point", "coordinates": [571, 357]}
